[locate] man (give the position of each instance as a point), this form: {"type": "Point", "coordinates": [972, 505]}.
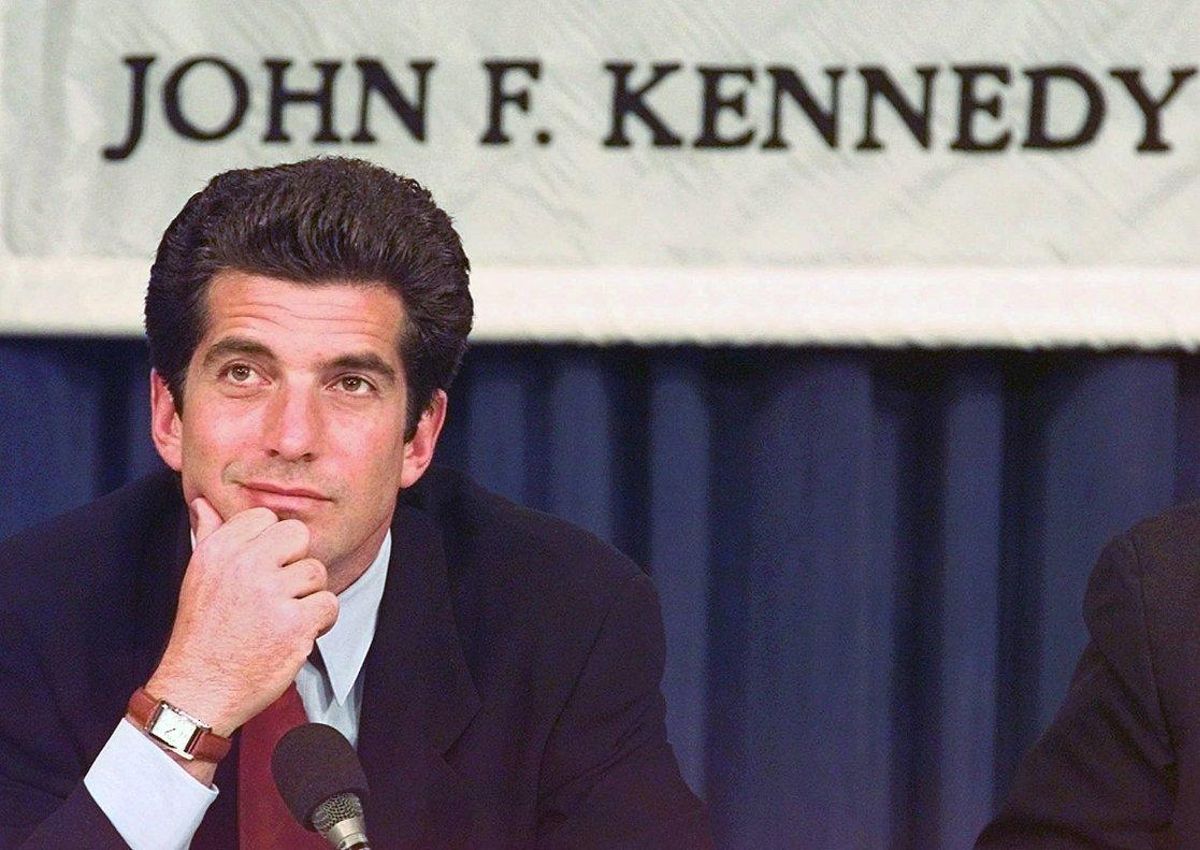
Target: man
{"type": "Point", "coordinates": [1120, 765]}
{"type": "Point", "coordinates": [498, 670]}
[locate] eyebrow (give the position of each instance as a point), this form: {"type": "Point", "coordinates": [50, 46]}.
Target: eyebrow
{"type": "Point", "coordinates": [232, 345]}
{"type": "Point", "coordinates": [366, 362]}
{"type": "Point", "coordinates": [358, 362]}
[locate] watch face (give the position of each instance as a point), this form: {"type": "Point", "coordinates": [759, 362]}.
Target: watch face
{"type": "Point", "coordinates": [174, 731]}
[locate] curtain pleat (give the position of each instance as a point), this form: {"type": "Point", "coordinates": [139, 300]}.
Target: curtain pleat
{"type": "Point", "coordinates": [965, 625]}
{"type": "Point", "coordinates": [679, 463]}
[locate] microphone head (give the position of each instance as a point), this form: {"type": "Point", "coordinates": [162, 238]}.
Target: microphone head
{"type": "Point", "coordinates": [316, 768]}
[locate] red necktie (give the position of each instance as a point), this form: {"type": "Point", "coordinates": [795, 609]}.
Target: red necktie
{"type": "Point", "coordinates": [264, 822]}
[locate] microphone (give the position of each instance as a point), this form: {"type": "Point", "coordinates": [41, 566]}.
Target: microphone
{"type": "Point", "coordinates": [321, 780]}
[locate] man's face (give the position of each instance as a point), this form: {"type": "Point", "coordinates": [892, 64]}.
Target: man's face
{"type": "Point", "coordinates": [295, 400]}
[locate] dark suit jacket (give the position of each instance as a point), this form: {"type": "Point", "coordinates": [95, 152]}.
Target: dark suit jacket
{"type": "Point", "coordinates": [511, 696]}
{"type": "Point", "coordinates": [1120, 765]}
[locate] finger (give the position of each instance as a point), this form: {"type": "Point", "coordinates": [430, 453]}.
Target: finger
{"type": "Point", "coordinates": [321, 608]}
{"type": "Point", "coordinates": [282, 543]}
{"type": "Point", "coordinates": [303, 578]}
{"type": "Point", "coordinates": [205, 519]}
{"type": "Point", "coordinates": [248, 524]}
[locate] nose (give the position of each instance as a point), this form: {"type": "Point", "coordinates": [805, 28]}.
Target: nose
{"type": "Point", "coordinates": [293, 427]}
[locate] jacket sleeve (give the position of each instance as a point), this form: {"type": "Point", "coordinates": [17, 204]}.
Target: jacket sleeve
{"type": "Point", "coordinates": [43, 801]}
{"type": "Point", "coordinates": [1103, 774]}
{"type": "Point", "coordinates": [609, 777]}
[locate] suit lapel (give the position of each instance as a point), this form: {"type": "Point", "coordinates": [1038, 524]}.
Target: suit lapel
{"type": "Point", "coordinates": [418, 695]}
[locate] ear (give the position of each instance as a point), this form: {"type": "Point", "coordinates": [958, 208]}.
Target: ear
{"type": "Point", "coordinates": [165, 426]}
{"type": "Point", "coordinates": [418, 452]}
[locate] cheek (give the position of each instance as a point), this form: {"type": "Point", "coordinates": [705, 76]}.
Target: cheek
{"type": "Point", "coordinates": [373, 477]}
{"type": "Point", "coordinates": [379, 462]}
{"type": "Point", "coordinates": [211, 445]}
{"type": "Point", "coordinates": [374, 449]}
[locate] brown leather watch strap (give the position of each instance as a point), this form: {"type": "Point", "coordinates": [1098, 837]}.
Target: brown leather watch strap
{"type": "Point", "coordinates": [207, 746]}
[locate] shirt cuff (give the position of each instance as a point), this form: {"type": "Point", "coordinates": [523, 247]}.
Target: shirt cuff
{"type": "Point", "coordinates": [153, 802]}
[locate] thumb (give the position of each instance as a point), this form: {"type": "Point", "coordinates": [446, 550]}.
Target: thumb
{"type": "Point", "coordinates": [205, 519]}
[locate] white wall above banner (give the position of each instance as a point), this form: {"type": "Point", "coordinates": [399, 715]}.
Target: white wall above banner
{"type": "Point", "coordinates": [1020, 172]}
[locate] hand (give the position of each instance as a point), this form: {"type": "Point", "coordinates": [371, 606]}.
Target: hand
{"type": "Point", "coordinates": [251, 605]}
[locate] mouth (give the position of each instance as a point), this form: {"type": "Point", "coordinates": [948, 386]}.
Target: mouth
{"type": "Point", "coordinates": [271, 495]}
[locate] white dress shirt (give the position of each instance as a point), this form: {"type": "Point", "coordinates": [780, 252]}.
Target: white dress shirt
{"type": "Point", "coordinates": [156, 805]}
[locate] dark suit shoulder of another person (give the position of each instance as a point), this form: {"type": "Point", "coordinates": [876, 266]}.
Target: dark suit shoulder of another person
{"type": "Point", "coordinates": [1120, 764]}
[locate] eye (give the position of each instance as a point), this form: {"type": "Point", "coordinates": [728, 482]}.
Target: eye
{"type": "Point", "coordinates": [239, 373]}
{"type": "Point", "coordinates": [354, 385]}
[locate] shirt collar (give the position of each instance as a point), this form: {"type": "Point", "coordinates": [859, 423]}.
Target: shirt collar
{"type": "Point", "coordinates": [344, 647]}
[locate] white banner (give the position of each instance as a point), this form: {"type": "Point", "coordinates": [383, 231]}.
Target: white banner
{"type": "Point", "coordinates": [1000, 173]}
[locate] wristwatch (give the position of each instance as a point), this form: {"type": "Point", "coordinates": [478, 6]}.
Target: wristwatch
{"type": "Point", "coordinates": [176, 730]}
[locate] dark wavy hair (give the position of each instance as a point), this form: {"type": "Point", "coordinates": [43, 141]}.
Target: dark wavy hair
{"type": "Point", "coordinates": [318, 221]}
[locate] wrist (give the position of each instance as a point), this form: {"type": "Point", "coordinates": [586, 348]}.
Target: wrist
{"type": "Point", "coordinates": [179, 732]}
{"type": "Point", "coordinates": [203, 701]}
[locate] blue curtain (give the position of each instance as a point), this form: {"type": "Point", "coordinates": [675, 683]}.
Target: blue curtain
{"type": "Point", "coordinates": [871, 563]}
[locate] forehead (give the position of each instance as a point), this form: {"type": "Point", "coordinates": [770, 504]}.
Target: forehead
{"type": "Point", "coordinates": [291, 317]}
